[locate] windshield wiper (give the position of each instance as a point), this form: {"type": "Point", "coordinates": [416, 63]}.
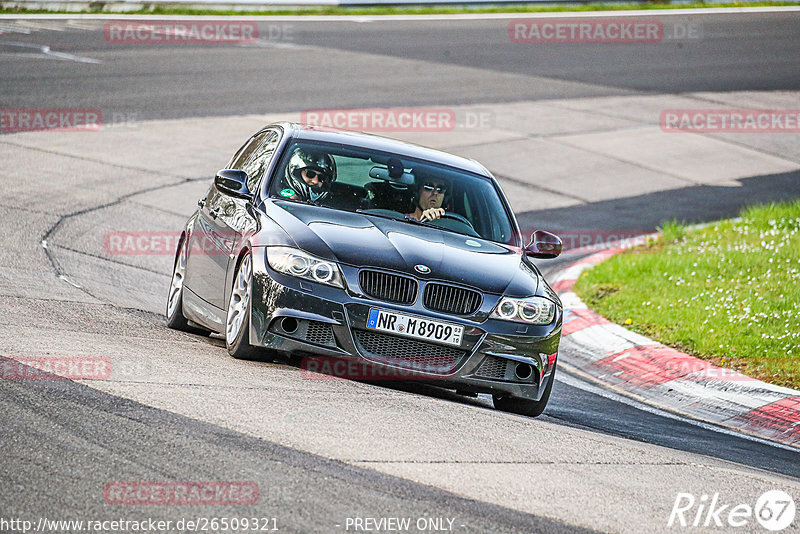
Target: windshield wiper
{"type": "Point", "coordinates": [400, 217]}
{"type": "Point", "coordinates": [409, 218]}
{"type": "Point", "coordinates": [300, 201]}
{"type": "Point", "coordinates": [381, 214]}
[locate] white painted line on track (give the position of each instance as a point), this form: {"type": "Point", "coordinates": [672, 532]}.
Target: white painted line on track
{"type": "Point", "coordinates": [573, 377]}
{"type": "Point", "coordinates": [81, 25]}
{"type": "Point", "coordinates": [33, 25]}
{"type": "Point", "coordinates": [14, 29]}
{"type": "Point", "coordinates": [265, 43]}
{"type": "Point", "coordinates": [46, 52]}
{"type": "Point", "coordinates": [386, 18]}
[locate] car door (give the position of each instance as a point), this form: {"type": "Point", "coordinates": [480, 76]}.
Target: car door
{"type": "Point", "coordinates": [223, 219]}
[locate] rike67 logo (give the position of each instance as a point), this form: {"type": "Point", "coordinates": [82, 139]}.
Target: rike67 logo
{"type": "Point", "coordinates": [774, 511]}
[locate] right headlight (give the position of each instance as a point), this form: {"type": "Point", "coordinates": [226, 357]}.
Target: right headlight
{"type": "Point", "coordinates": [530, 310]}
{"type": "Point", "coordinates": [295, 262]}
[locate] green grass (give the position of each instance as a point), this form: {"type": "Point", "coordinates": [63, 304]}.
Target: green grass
{"type": "Point", "coordinates": [155, 9]}
{"type": "Point", "coordinates": [729, 293]}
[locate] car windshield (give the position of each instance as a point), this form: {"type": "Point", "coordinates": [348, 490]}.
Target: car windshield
{"type": "Point", "coordinates": [385, 185]}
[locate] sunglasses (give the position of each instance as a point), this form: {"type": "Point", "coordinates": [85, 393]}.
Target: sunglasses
{"type": "Point", "coordinates": [441, 189]}
{"type": "Point", "coordinates": [311, 174]}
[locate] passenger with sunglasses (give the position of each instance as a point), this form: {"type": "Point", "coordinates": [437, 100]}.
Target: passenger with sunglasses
{"type": "Point", "coordinates": [309, 175]}
{"type": "Point", "coordinates": [428, 198]}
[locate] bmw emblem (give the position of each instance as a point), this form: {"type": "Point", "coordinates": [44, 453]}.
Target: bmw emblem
{"type": "Point", "coordinates": [422, 269]}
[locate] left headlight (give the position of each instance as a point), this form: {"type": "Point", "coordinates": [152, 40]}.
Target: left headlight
{"type": "Point", "coordinates": [295, 262]}
{"type": "Point", "coordinates": [531, 310]}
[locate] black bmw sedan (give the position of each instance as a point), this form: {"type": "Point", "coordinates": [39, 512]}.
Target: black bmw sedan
{"type": "Point", "coordinates": [353, 247]}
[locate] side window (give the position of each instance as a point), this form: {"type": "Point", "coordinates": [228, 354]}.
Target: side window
{"type": "Point", "coordinates": [256, 163]}
{"type": "Point", "coordinates": [247, 149]}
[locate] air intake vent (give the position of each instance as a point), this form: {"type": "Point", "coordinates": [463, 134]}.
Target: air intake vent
{"type": "Point", "coordinates": [310, 331]}
{"type": "Point", "coordinates": [493, 367]}
{"type": "Point", "coordinates": [389, 287]}
{"type": "Point", "coordinates": [451, 299]}
{"type": "Point", "coordinates": [320, 334]}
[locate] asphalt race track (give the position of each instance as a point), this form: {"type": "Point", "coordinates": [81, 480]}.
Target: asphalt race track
{"type": "Point", "coordinates": [295, 66]}
{"type": "Point", "coordinates": [566, 131]}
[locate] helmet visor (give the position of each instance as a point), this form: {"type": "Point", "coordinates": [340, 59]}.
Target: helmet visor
{"type": "Point", "coordinates": [311, 173]}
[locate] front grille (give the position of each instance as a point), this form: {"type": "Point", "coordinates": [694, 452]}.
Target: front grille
{"type": "Point", "coordinates": [451, 299]}
{"type": "Point", "coordinates": [389, 287]}
{"type": "Point", "coordinates": [492, 367]}
{"type": "Point", "coordinates": [408, 353]}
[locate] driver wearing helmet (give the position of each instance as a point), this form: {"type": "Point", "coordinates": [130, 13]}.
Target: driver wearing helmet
{"type": "Point", "coordinates": [428, 198]}
{"type": "Point", "coordinates": [309, 175]}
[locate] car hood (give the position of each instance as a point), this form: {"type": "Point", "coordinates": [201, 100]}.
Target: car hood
{"type": "Point", "coordinates": [363, 240]}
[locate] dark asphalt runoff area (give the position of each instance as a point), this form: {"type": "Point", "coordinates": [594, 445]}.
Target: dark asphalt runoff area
{"type": "Point", "coordinates": [463, 62]}
{"type": "Point", "coordinates": [62, 441]}
{"type": "Point", "coordinates": [71, 441]}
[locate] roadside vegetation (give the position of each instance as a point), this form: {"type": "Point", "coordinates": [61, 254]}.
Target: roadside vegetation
{"type": "Point", "coordinates": [728, 293]}
{"type": "Point", "coordinates": [154, 9]}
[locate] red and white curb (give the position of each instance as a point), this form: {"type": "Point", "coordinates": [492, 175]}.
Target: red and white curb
{"type": "Point", "coordinates": [663, 377]}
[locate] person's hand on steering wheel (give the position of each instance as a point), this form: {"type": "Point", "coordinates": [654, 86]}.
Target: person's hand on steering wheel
{"type": "Point", "coordinates": [431, 214]}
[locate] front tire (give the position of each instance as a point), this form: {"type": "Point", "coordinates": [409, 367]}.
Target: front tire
{"type": "Point", "coordinates": [531, 408]}
{"type": "Point", "coordinates": [175, 318]}
{"type": "Point", "coordinates": [237, 322]}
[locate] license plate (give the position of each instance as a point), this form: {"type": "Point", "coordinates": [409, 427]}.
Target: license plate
{"type": "Point", "coordinates": [415, 327]}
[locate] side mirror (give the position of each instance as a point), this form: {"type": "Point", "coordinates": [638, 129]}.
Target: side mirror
{"type": "Point", "coordinates": [543, 245]}
{"type": "Point", "coordinates": [232, 182]}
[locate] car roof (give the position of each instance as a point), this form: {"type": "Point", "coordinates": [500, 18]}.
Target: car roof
{"type": "Point", "coordinates": [383, 144]}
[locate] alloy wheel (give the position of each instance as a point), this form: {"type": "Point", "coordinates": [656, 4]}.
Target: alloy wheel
{"type": "Point", "coordinates": [240, 300]}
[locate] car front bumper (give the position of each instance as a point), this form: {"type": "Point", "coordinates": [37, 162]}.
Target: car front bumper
{"type": "Point", "coordinates": [327, 324]}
